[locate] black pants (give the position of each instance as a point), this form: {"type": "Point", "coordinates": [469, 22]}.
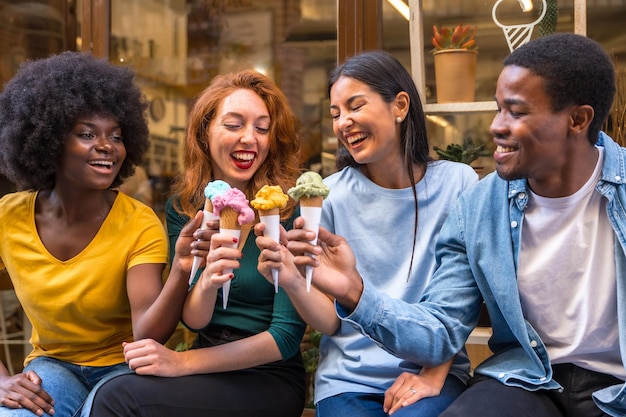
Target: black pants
{"type": "Point", "coordinates": [487, 397]}
{"type": "Point", "coordinates": [271, 390]}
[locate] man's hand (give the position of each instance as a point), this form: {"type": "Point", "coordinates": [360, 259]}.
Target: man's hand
{"type": "Point", "coordinates": [334, 263]}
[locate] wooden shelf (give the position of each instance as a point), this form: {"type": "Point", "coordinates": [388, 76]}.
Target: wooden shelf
{"type": "Point", "coordinates": [473, 107]}
{"type": "Point", "coordinates": [479, 336]}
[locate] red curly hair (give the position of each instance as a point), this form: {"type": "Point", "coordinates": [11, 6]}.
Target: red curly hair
{"type": "Point", "coordinates": [281, 167]}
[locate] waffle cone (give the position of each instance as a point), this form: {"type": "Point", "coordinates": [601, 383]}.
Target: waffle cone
{"type": "Point", "coordinates": [228, 219]}
{"type": "Point", "coordinates": [208, 205]}
{"type": "Point", "coordinates": [270, 212]}
{"type": "Point", "coordinates": [311, 201]}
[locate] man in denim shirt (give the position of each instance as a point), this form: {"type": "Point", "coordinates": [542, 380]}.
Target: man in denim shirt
{"type": "Point", "coordinates": [542, 243]}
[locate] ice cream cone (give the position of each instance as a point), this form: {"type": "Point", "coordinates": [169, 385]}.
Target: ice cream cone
{"type": "Point", "coordinates": [314, 201]}
{"type": "Point", "coordinates": [271, 212]}
{"type": "Point", "coordinates": [212, 189]}
{"type": "Point", "coordinates": [310, 191]}
{"type": "Point", "coordinates": [229, 219]}
{"type": "Point", "coordinates": [268, 201]}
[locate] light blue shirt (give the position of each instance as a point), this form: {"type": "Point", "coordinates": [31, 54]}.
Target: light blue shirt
{"type": "Point", "coordinates": [378, 223]}
{"type": "Point", "coordinates": [477, 254]}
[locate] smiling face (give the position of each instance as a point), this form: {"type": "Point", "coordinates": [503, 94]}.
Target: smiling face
{"type": "Point", "coordinates": [239, 137]}
{"type": "Point", "coordinates": [93, 153]}
{"type": "Point", "coordinates": [364, 123]}
{"type": "Point", "coordinates": [531, 139]}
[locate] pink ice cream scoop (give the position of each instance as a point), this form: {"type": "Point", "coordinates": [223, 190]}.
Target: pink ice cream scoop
{"type": "Point", "coordinates": [235, 200]}
{"type": "Point", "coordinates": [233, 209]}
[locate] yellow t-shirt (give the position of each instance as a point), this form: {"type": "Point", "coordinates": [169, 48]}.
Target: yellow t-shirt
{"type": "Point", "coordinates": [79, 308]}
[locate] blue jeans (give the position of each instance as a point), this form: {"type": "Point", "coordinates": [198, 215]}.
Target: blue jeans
{"type": "Point", "coordinates": [352, 404]}
{"type": "Point", "coordinates": [69, 385]}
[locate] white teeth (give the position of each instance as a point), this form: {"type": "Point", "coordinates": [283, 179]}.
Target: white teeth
{"type": "Point", "coordinates": [356, 138]}
{"type": "Point", "coordinates": [103, 163]}
{"type": "Point", "coordinates": [504, 149]}
{"type": "Point", "coordinates": [244, 156]}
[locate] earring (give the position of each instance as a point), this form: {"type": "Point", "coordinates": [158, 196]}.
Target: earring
{"type": "Point", "coordinates": [399, 119]}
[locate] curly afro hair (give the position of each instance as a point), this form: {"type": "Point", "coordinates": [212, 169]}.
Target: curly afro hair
{"type": "Point", "coordinates": [39, 106]}
{"type": "Point", "coordinates": [576, 70]}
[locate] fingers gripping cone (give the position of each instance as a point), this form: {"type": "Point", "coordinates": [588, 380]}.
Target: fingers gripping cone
{"type": "Point", "coordinates": [268, 201]}
{"type": "Point", "coordinates": [271, 220]}
{"type": "Point", "coordinates": [212, 189]}
{"type": "Point", "coordinates": [311, 211]}
{"type": "Point", "coordinates": [310, 191]}
{"type": "Point", "coordinates": [229, 225]}
{"type": "Point", "coordinates": [207, 215]}
{"type": "Point", "coordinates": [232, 207]}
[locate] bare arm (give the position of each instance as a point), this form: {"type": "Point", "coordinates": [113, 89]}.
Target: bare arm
{"type": "Point", "coordinates": [156, 307]}
{"type": "Point", "coordinates": [200, 302]}
{"type": "Point", "coordinates": [148, 357]}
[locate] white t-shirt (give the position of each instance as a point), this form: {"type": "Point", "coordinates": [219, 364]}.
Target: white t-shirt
{"type": "Point", "coordinates": [566, 278]}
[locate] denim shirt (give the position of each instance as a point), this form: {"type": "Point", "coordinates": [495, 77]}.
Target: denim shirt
{"type": "Point", "coordinates": [477, 254]}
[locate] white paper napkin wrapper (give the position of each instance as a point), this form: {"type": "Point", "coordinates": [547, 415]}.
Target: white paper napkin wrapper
{"type": "Point", "coordinates": [272, 229]}
{"type": "Point", "coordinates": [312, 216]}
{"type": "Point", "coordinates": [226, 287]}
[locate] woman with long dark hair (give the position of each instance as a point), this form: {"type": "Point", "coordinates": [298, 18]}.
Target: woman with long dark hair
{"type": "Point", "coordinates": [388, 200]}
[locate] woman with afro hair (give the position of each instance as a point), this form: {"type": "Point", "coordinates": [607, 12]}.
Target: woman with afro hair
{"type": "Point", "coordinates": [86, 260]}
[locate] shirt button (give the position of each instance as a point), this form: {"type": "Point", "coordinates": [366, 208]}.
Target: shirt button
{"type": "Point", "coordinates": [533, 343]}
{"type": "Point", "coordinates": [501, 375]}
{"type": "Point", "coordinates": [618, 178]}
{"type": "Point", "coordinates": [521, 195]}
{"type": "Point", "coordinates": [513, 224]}
{"type": "Point", "coordinates": [543, 378]}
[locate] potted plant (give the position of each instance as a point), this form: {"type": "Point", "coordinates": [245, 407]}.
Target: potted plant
{"type": "Point", "coordinates": [310, 348]}
{"type": "Point", "coordinates": [455, 53]}
{"type": "Point", "coordinates": [465, 153]}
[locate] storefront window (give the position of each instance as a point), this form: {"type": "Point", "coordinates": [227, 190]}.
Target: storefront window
{"type": "Point", "coordinates": [177, 46]}
{"type": "Point", "coordinates": [33, 29]}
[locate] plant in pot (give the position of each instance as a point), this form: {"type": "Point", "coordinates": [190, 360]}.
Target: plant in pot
{"type": "Point", "coordinates": [455, 54]}
{"type": "Point", "coordinates": [465, 153]}
{"type": "Point", "coordinates": [310, 348]}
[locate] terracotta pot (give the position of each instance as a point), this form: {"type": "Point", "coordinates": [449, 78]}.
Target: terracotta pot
{"type": "Point", "coordinates": [455, 75]}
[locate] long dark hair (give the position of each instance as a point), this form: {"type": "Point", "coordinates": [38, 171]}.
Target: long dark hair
{"type": "Point", "coordinates": [387, 76]}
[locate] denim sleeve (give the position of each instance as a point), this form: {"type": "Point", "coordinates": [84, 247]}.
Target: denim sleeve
{"type": "Point", "coordinates": [435, 329]}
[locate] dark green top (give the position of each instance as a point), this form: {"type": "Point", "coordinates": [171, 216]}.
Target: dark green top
{"type": "Point", "coordinates": [253, 305]}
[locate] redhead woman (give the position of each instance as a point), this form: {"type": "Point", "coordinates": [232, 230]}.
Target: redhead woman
{"type": "Point", "coordinates": [245, 359]}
